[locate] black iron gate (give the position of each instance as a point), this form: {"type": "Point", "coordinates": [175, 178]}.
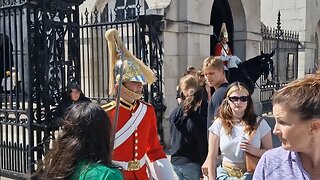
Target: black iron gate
{"type": "Point", "coordinates": [140, 34]}
{"type": "Point", "coordinates": [285, 43]}
{"type": "Point", "coordinates": [37, 66]}
{"type": "Point", "coordinates": [43, 47]}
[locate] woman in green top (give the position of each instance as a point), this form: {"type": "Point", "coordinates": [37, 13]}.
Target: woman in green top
{"type": "Point", "coordinates": [82, 149]}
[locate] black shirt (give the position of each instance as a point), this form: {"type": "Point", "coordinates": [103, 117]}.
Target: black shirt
{"type": "Point", "coordinates": [188, 137]}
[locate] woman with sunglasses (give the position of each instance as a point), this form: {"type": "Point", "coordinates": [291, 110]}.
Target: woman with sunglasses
{"type": "Point", "coordinates": [234, 126]}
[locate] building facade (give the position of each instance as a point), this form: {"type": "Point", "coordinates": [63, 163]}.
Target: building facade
{"type": "Point", "coordinates": [189, 33]}
{"type": "Point", "coordinates": [302, 16]}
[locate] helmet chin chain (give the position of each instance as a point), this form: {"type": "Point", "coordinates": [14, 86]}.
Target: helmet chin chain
{"type": "Point", "coordinates": [130, 93]}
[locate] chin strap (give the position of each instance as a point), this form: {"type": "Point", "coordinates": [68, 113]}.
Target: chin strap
{"type": "Point", "coordinates": [130, 93]}
{"type": "Point", "coordinates": [162, 169]}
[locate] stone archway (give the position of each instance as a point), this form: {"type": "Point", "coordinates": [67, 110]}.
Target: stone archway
{"type": "Point", "coordinates": [240, 28]}
{"type": "Point", "coordinates": [221, 13]}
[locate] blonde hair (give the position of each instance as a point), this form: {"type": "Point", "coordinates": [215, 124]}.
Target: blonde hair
{"type": "Point", "coordinates": [226, 114]}
{"type": "Point", "coordinates": [301, 96]}
{"type": "Point", "coordinates": [213, 62]}
{"type": "Point", "coordinates": [187, 82]}
{"type": "Point", "coordinates": [237, 87]}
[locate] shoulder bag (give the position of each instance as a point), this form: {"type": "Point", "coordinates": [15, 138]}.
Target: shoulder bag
{"type": "Point", "coordinates": [251, 160]}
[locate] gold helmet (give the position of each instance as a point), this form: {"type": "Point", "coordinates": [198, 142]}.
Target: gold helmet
{"type": "Point", "coordinates": [133, 68]}
{"type": "Point", "coordinates": [131, 72]}
{"type": "Point", "coordinates": [223, 31]}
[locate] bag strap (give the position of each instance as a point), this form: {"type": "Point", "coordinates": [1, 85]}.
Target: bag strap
{"type": "Point", "coordinates": [255, 128]}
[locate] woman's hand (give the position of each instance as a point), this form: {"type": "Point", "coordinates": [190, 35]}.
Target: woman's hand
{"type": "Point", "coordinates": [247, 146]}
{"type": "Point", "coordinates": [204, 168]}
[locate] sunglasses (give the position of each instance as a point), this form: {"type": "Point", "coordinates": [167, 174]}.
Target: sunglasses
{"type": "Point", "coordinates": [237, 98]}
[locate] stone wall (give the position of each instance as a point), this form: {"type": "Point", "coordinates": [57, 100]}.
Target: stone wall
{"type": "Point", "coordinates": [301, 16]}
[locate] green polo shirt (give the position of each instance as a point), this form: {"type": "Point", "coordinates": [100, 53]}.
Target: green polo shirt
{"type": "Point", "coordinates": [95, 171]}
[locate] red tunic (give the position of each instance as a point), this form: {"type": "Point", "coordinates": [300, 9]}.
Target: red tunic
{"type": "Point", "coordinates": [218, 51]}
{"type": "Point", "coordinates": [143, 141]}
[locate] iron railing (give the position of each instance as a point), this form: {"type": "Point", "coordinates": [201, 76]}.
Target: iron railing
{"type": "Point", "coordinates": [285, 43]}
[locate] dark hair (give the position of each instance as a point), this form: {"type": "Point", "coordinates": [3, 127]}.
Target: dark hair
{"type": "Point", "coordinates": [226, 114]}
{"type": "Point", "coordinates": [85, 135]}
{"type": "Point", "coordinates": [193, 97]}
{"type": "Point", "coordinates": [188, 70]}
{"type": "Point", "coordinates": [74, 86]}
{"type": "Point", "coordinates": [67, 95]}
{"type": "Point", "coordinates": [301, 97]}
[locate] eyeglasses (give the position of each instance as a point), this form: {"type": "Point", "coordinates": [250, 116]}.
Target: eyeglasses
{"type": "Point", "coordinates": [237, 98]}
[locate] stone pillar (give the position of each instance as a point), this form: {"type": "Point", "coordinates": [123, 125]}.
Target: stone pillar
{"type": "Point", "coordinates": [248, 39]}
{"type": "Point", "coordinates": [187, 43]}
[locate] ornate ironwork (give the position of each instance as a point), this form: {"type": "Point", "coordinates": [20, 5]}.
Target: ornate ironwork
{"type": "Point", "coordinates": [46, 36]}
{"type": "Point", "coordinates": [151, 46]}
{"type": "Point", "coordinates": [140, 35]}
{"type": "Point", "coordinates": [285, 43]}
{"type": "Point", "coordinates": [47, 65]}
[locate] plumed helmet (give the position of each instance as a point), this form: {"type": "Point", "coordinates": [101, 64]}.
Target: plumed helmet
{"type": "Point", "coordinates": [223, 31]}
{"type": "Point", "coordinates": [133, 68]}
{"type": "Point", "coordinates": [131, 72]}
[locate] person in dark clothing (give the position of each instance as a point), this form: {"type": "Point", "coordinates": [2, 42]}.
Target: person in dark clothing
{"type": "Point", "coordinates": [213, 70]}
{"type": "Point", "coordinates": [71, 96]}
{"type": "Point", "coordinates": [188, 134]}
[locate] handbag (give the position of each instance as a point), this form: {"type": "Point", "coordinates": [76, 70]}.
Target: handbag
{"type": "Point", "coordinates": [251, 160]}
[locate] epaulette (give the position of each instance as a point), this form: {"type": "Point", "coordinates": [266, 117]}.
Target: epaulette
{"type": "Point", "coordinates": [109, 106]}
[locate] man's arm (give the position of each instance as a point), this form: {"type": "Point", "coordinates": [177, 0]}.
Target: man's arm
{"type": "Point", "coordinates": [159, 163]}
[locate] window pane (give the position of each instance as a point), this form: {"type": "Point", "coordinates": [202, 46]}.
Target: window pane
{"type": "Point", "coordinates": [131, 13]}
{"type": "Point", "coordinates": [119, 14]}
{"type": "Point", "coordinates": [119, 3]}
{"type": "Point", "coordinates": [131, 2]}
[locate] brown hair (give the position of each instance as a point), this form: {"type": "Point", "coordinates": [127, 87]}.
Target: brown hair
{"type": "Point", "coordinates": [187, 82]}
{"type": "Point", "coordinates": [188, 70]}
{"type": "Point", "coordinates": [213, 62]}
{"type": "Point", "coordinates": [85, 135]}
{"type": "Point", "coordinates": [301, 96]}
{"type": "Point", "coordinates": [193, 97]}
{"type": "Point", "coordinates": [226, 114]}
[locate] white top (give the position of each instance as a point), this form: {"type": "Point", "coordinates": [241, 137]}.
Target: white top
{"type": "Point", "coordinates": [228, 144]}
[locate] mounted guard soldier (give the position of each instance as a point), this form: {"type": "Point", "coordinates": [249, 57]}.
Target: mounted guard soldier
{"type": "Point", "coordinates": [137, 149]}
{"type": "Point", "coordinates": [223, 50]}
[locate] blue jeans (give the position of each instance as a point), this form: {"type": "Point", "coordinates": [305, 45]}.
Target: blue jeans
{"type": "Point", "coordinates": [189, 171]}
{"type": "Point", "coordinates": [222, 174]}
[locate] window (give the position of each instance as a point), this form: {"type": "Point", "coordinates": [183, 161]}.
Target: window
{"type": "Point", "coordinates": [290, 66]}
{"type": "Point", "coordinates": [125, 9]}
